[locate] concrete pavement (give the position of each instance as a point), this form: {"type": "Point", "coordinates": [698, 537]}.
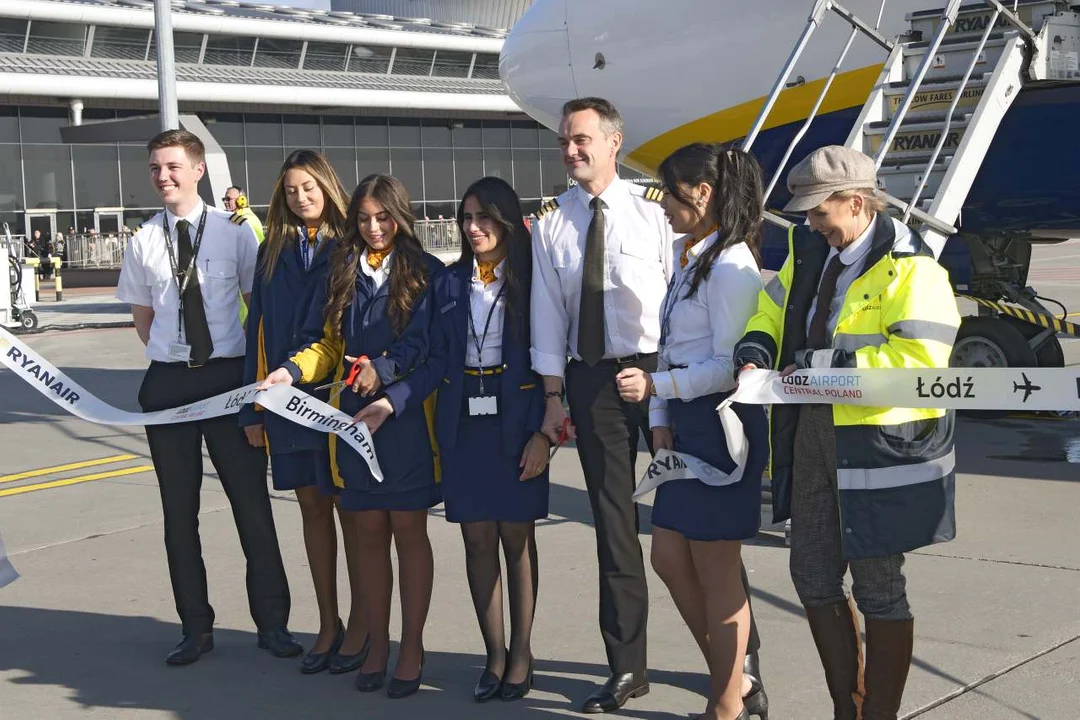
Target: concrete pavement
{"type": "Point", "coordinates": [84, 631]}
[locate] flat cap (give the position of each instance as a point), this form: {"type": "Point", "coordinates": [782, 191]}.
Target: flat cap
{"type": "Point", "coordinates": [825, 171]}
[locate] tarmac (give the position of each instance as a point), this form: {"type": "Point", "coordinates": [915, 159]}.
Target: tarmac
{"type": "Point", "coordinates": [84, 631]}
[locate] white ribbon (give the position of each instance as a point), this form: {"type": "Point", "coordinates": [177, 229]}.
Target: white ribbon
{"type": "Point", "coordinates": [288, 402]}
{"type": "Point", "coordinates": [1056, 389]}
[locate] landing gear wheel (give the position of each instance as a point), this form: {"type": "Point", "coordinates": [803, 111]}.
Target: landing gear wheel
{"type": "Point", "coordinates": [986, 342]}
{"type": "Point", "coordinates": [28, 319]}
{"type": "Point", "coordinates": [1048, 354]}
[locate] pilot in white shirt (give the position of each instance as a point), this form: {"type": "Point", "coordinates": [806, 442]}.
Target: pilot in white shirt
{"type": "Point", "coordinates": [637, 264]}
{"type": "Point", "coordinates": [225, 262]}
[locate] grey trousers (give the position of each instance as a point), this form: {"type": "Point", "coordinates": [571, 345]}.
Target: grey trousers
{"type": "Point", "coordinates": [817, 560]}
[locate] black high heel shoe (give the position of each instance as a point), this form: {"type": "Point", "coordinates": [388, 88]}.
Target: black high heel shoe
{"type": "Point", "coordinates": [372, 681]}
{"type": "Point", "coordinates": [490, 685]}
{"type": "Point", "coordinates": [756, 702]}
{"type": "Point", "coordinates": [315, 662]}
{"type": "Point", "coordinates": [398, 689]}
{"type": "Point", "coordinates": [516, 691]}
{"type": "Point", "coordinates": [347, 663]}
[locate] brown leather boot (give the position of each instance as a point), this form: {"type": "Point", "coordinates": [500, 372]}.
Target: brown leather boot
{"type": "Point", "coordinates": [888, 657]}
{"type": "Point", "coordinates": [835, 629]}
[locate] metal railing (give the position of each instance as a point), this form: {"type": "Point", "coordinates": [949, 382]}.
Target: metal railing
{"type": "Point", "coordinates": [821, 9]}
{"type": "Point", "coordinates": [93, 251]}
{"type": "Point", "coordinates": [438, 236]}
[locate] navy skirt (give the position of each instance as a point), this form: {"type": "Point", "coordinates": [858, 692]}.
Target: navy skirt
{"type": "Point", "coordinates": [480, 482]}
{"type": "Point", "coordinates": [703, 512]}
{"type": "Point", "coordinates": [302, 468]}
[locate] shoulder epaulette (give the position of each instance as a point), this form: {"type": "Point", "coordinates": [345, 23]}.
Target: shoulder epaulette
{"type": "Point", "coordinates": [547, 207]}
{"type": "Point", "coordinates": [238, 218]}
{"type": "Point", "coordinates": [654, 194]}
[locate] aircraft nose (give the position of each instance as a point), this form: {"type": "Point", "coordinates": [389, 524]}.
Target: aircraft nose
{"type": "Point", "coordinates": [539, 88]}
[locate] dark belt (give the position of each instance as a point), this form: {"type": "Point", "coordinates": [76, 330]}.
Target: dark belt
{"type": "Point", "coordinates": [624, 360]}
{"type": "Point", "coordinates": [211, 361]}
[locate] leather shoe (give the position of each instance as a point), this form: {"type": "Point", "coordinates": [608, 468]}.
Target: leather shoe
{"type": "Point", "coordinates": [370, 682]}
{"type": "Point", "coordinates": [516, 691]}
{"type": "Point", "coordinates": [614, 693]}
{"type": "Point", "coordinates": [315, 662]}
{"type": "Point", "coordinates": [756, 701]}
{"type": "Point", "coordinates": [280, 643]}
{"type": "Point", "coordinates": [340, 664]}
{"type": "Point", "coordinates": [488, 687]}
{"type": "Point", "coordinates": [404, 688]}
{"type": "Point", "coordinates": [190, 649]}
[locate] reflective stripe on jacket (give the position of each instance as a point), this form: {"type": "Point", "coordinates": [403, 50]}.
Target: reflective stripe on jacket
{"type": "Point", "coordinates": [895, 466]}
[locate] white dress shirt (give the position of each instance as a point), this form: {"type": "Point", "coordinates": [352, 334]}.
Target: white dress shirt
{"type": "Point", "coordinates": [481, 299]}
{"type": "Point", "coordinates": [638, 259]}
{"type": "Point", "coordinates": [700, 332]}
{"type": "Point", "coordinates": [225, 265]}
{"type": "Point", "coordinates": [852, 259]}
{"type": "Point", "coordinates": [381, 275]}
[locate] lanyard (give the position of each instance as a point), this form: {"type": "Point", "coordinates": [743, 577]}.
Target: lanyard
{"type": "Point", "coordinates": [306, 247]}
{"type": "Point", "coordinates": [670, 300]}
{"type": "Point", "coordinates": [182, 284]}
{"type": "Point", "coordinates": [479, 341]}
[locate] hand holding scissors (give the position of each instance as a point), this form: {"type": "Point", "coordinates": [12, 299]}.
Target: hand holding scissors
{"type": "Point", "coordinates": [351, 380]}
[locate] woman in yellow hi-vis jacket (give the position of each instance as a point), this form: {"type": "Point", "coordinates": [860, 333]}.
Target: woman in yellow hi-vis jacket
{"type": "Point", "coordinates": [862, 485]}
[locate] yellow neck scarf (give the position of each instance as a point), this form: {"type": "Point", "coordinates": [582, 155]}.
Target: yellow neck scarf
{"type": "Point", "coordinates": [312, 235]}
{"type": "Point", "coordinates": [486, 268]}
{"type": "Point", "coordinates": [375, 257]}
{"type": "Point", "coordinates": [691, 242]}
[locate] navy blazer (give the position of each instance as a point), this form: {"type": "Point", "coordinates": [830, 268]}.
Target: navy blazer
{"type": "Point", "coordinates": [279, 308]}
{"type": "Point", "coordinates": [521, 400]}
{"type": "Point", "coordinates": [402, 443]}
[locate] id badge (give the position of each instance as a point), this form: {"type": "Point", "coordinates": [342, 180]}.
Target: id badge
{"type": "Point", "coordinates": [483, 405]}
{"type": "Point", "coordinates": [179, 352]}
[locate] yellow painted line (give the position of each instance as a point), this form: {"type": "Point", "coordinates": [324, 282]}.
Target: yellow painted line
{"type": "Point", "coordinates": [76, 480]}
{"type": "Point", "coordinates": [64, 468]}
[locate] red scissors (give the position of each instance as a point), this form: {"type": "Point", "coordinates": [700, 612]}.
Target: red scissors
{"type": "Point", "coordinates": [564, 435]}
{"type": "Point", "coordinates": [340, 385]}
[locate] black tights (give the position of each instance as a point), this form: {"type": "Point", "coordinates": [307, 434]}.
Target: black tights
{"type": "Point", "coordinates": [485, 584]}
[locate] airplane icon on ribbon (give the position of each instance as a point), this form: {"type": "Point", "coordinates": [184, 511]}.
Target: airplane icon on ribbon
{"type": "Point", "coordinates": [1027, 387]}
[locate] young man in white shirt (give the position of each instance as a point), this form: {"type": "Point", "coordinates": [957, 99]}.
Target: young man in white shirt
{"type": "Point", "coordinates": [196, 350]}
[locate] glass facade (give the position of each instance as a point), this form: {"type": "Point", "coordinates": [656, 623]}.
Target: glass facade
{"type": "Point", "coordinates": [436, 159]}
{"type": "Point", "coordinates": [41, 37]}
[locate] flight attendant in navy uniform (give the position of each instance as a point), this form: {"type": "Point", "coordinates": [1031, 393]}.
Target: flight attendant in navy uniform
{"type": "Point", "coordinates": [488, 415]}
{"type": "Point", "coordinates": [375, 310]}
{"type": "Point", "coordinates": [714, 197]}
{"type": "Point", "coordinates": [307, 215]}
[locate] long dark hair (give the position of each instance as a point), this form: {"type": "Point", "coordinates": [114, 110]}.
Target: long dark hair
{"type": "Point", "coordinates": [409, 273]}
{"type": "Point", "coordinates": [500, 202]}
{"type": "Point", "coordinates": [737, 199]}
{"type": "Point", "coordinates": [282, 223]}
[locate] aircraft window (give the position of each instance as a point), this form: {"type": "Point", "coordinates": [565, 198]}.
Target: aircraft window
{"type": "Point", "coordinates": [53, 38]}
{"type": "Point", "coordinates": [273, 53]}
{"type": "Point", "coordinates": [326, 56]}
{"type": "Point", "coordinates": [12, 35]}
{"type": "Point", "coordinates": [120, 43]}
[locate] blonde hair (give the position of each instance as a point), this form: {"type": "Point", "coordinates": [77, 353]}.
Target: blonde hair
{"type": "Point", "coordinates": [872, 202]}
{"type": "Point", "coordinates": [282, 223]}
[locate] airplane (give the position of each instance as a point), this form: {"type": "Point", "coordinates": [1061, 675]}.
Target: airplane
{"type": "Point", "coordinates": [1027, 387]}
{"type": "Point", "coordinates": [967, 108]}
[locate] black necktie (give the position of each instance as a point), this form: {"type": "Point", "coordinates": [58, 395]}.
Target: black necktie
{"type": "Point", "coordinates": [196, 331]}
{"type": "Point", "coordinates": [591, 313]}
{"type": "Point", "coordinates": [816, 336]}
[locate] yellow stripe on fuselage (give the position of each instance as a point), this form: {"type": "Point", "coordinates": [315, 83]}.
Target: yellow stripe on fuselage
{"type": "Point", "coordinates": [849, 89]}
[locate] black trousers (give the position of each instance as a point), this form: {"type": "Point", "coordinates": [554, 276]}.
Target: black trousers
{"type": "Point", "coordinates": [177, 454]}
{"type": "Point", "coordinates": [607, 442]}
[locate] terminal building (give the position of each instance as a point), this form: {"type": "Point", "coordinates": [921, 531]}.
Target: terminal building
{"type": "Point", "coordinates": [418, 97]}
